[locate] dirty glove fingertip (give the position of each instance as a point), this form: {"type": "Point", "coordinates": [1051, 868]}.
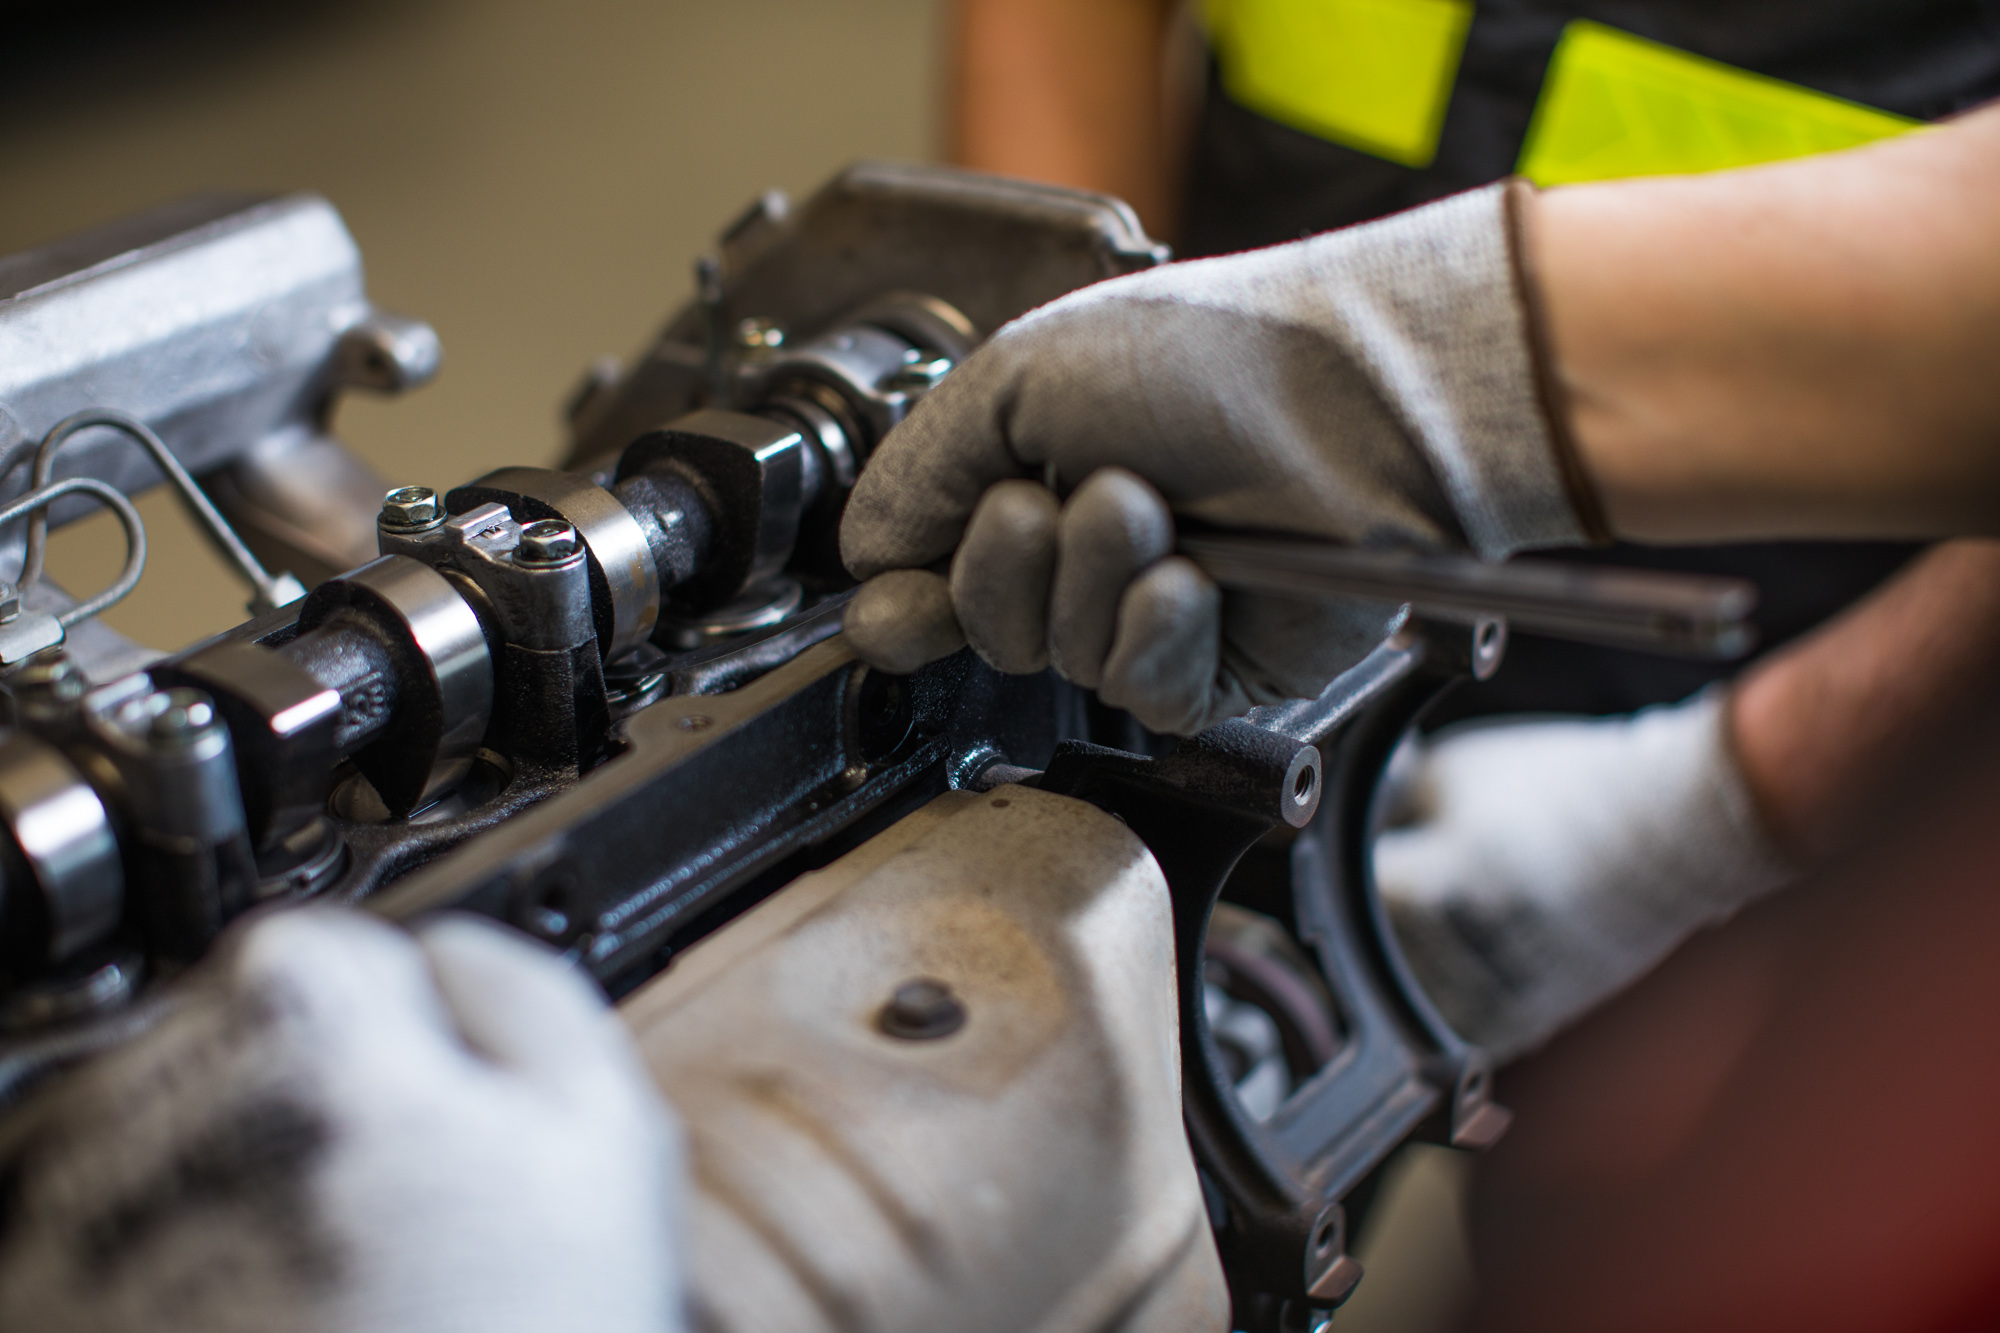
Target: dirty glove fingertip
{"type": "Point", "coordinates": [902, 620]}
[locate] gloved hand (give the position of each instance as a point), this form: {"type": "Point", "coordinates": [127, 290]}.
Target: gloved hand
{"type": "Point", "coordinates": [1373, 385]}
{"type": "Point", "coordinates": [1547, 865]}
{"type": "Point", "coordinates": [339, 1128]}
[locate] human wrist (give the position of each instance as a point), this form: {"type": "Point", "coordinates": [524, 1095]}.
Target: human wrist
{"type": "Point", "coordinates": [1435, 306]}
{"type": "Point", "coordinates": [1760, 726]}
{"type": "Point", "coordinates": [1830, 727]}
{"type": "Point", "coordinates": [1551, 393]}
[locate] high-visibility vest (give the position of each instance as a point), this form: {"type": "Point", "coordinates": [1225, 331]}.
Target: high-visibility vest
{"type": "Point", "coordinates": [1377, 76]}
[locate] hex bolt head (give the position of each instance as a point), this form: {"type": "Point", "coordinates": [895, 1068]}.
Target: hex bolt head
{"type": "Point", "coordinates": [179, 715]}
{"type": "Point", "coordinates": [920, 372]}
{"type": "Point", "coordinates": [409, 508]}
{"type": "Point", "coordinates": [47, 688]}
{"type": "Point", "coordinates": [922, 1009]}
{"type": "Point", "coordinates": [56, 678]}
{"type": "Point", "coordinates": [546, 541]}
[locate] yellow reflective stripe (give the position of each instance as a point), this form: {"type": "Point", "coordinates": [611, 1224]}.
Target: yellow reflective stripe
{"type": "Point", "coordinates": [1372, 74]}
{"type": "Point", "coordinates": [1615, 105]}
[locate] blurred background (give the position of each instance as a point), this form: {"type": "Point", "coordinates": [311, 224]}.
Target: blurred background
{"type": "Point", "coordinates": [535, 180]}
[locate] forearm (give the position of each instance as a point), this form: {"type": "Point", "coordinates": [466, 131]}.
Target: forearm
{"type": "Point", "coordinates": [1067, 91]}
{"type": "Point", "coordinates": [1831, 726]}
{"type": "Point", "coordinates": [1806, 349]}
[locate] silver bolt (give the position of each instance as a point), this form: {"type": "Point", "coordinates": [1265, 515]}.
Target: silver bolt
{"type": "Point", "coordinates": [546, 541]}
{"type": "Point", "coordinates": [920, 372]}
{"type": "Point", "coordinates": [10, 603]}
{"type": "Point", "coordinates": [47, 688]}
{"type": "Point", "coordinates": [57, 676]}
{"type": "Point", "coordinates": [408, 508]}
{"type": "Point", "coordinates": [759, 335]}
{"type": "Point", "coordinates": [179, 715]}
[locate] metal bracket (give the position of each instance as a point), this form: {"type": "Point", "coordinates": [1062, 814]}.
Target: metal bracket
{"type": "Point", "coordinates": [1312, 767]}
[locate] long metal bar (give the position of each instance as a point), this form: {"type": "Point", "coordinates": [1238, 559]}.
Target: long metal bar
{"type": "Point", "coordinates": [1683, 614]}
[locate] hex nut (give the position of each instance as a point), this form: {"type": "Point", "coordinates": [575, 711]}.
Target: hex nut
{"type": "Point", "coordinates": [51, 677]}
{"type": "Point", "coordinates": [922, 1009]}
{"type": "Point", "coordinates": [547, 541]}
{"type": "Point", "coordinates": [409, 508]}
{"type": "Point", "coordinates": [179, 714]}
{"type": "Point", "coordinates": [920, 372]}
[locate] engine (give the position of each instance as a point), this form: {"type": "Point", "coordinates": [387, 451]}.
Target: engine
{"type": "Point", "coordinates": [985, 1007]}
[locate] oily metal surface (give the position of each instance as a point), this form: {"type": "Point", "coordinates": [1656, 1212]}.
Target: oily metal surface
{"type": "Point", "coordinates": [1026, 1171]}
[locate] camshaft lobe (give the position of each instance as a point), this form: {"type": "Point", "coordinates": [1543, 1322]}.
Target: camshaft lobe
{"type": "Point", "coordinates": [678, 520]}
{"type": "Point", "coordinates": [353, 655]}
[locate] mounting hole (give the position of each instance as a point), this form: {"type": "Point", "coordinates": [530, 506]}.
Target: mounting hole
{"type": "Point", "coordinates": [1489, 645]}
{"type": "Point", "coordinates": [884, 715]}
{"type": "Point", "coordinates": [1299, 793]}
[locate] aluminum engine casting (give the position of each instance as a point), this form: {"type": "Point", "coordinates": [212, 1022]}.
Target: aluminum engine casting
{"type": "Point", "coordinates": [608, 703]}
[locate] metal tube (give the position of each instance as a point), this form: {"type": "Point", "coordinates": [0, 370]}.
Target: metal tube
{"type": "Point", "coordinates": [269, 592]}
{"type": "Point", "coordinates": [37, 502]}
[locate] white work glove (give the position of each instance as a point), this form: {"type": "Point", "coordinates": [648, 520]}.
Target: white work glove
{"type": "Point", "coordinates": [1549, 864]}
{"type": "Point", "coordinates": [339, 1128]}
{"type": "Point", "coordinates": [1373, 385]}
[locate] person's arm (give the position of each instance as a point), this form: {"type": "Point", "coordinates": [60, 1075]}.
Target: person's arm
{"type": "Point", "coordinates": [1806, 349]}
{"type": "Point", "coordinates": [1825, 730]}
{"type": "Point", "coordinates": [1540, 865]}
{"type": "Point", "coordinates": [1071, 92]}
{"type": "Point", "coordinates": [1809, 349]}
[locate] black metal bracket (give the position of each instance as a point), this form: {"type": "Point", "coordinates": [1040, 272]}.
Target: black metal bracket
{"type": "Point", "coordinates": [1314, 768]}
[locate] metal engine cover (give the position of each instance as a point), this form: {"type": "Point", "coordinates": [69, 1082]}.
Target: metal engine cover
{"type": "Point", "coordinates": [1025, 1171]}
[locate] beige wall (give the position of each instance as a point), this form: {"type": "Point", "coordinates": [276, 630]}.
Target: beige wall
{"type": "Point", "coordinates": [533, 178]}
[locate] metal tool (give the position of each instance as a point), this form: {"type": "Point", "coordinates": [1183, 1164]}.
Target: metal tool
{"type": "Point", "coordinates": [1683, 614]}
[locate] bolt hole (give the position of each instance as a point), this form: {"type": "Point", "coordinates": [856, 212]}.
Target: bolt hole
{"type": "Point", "coordinates": [1324, 1237]}
{"type": "Point", "coordinates": [1302, 785]}
{"type": "Point", "coordinates": [884, 715]}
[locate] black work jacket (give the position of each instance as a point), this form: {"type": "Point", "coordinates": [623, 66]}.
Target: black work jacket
{"type": "Point", "coordinates": [1253, 181]}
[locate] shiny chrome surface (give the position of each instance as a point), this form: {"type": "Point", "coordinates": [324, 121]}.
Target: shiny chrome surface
{"type": "Point", "coordinates": [65, 835]}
